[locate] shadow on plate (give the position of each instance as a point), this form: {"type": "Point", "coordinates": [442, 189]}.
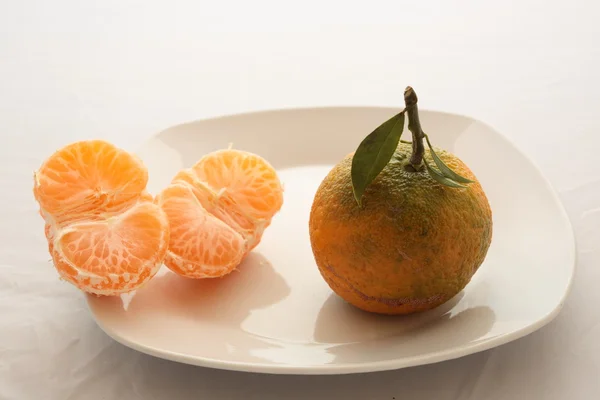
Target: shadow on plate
{"type": "Point", "coordinates": [228, 300]}
{"type": "Point", "coordinates": [340, 322]}
{"type": "Point", "coordinates": [196, 318]}
{"type": "Point", "coordinates": [358, 336]}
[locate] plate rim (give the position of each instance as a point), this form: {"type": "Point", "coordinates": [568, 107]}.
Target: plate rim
{"type": "Point", "coordinates": [372, 366]}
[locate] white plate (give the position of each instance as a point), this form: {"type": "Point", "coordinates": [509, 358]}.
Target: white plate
{"type": "Point", "coordinates": [277, 315]}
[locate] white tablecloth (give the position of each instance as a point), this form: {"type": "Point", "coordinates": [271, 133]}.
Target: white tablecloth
{"type": "Point", "coordinates": [124, 70]}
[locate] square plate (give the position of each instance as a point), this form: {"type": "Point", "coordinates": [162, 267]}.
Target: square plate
{"type": "Point", "coordinates": [275, 314]}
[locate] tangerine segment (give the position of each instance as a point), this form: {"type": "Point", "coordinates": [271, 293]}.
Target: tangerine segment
{"type": "Point", "coordinates": [88, 177]}
{"type": "Point", "coordinates": [220, 205]}
{"type": "Point", "coordinates": [115, 255]}
{"type": "Point", "coordinates": [244, 179]}
{"type": "Point", "coordinates": [201, 245]}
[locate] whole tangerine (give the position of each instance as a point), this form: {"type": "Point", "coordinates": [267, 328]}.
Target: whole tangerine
{"type": "Point", "coordinates": [413, 239]}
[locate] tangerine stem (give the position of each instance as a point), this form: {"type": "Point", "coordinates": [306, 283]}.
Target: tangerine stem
{"type": "Point", "coordinates": [414, 125]}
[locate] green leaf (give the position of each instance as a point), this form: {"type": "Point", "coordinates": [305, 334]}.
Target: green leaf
{"type": "Point", "coordinates": [445, 170]}
{"type": "Point", "coordinates": [374, 152]}
{"type": "Point", "coordinates": [438, 177]}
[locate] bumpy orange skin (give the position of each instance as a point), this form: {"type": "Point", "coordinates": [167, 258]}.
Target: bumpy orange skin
{"type": "Point", "coordinates": [412, 246]}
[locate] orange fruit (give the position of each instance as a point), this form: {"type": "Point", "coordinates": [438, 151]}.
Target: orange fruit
{"type": "Point", "coordinates": [218, 211]}
{"type": "Point", "coordinates": [89, 177]}
{"type": "Point", "coordinates": [105, 234]}
{"type": "Point", "coordinates": [413, 245]}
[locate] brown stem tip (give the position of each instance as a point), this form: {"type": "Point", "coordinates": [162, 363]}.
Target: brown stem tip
{"type": "Point", "coordinates": [410, 97]}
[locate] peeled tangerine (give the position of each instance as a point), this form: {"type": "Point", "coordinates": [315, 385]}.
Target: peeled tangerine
{"type": "Point", "coordinates": [218, 211]}
{"type": "Point", "coordinates": [105, 234]}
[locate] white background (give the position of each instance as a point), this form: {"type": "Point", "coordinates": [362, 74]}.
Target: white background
{"type": "Point", "coordinates": [124, 70]}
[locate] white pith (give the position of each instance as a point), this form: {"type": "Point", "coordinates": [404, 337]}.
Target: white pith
{"type": "Point", "coordinates": [132, 279]}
